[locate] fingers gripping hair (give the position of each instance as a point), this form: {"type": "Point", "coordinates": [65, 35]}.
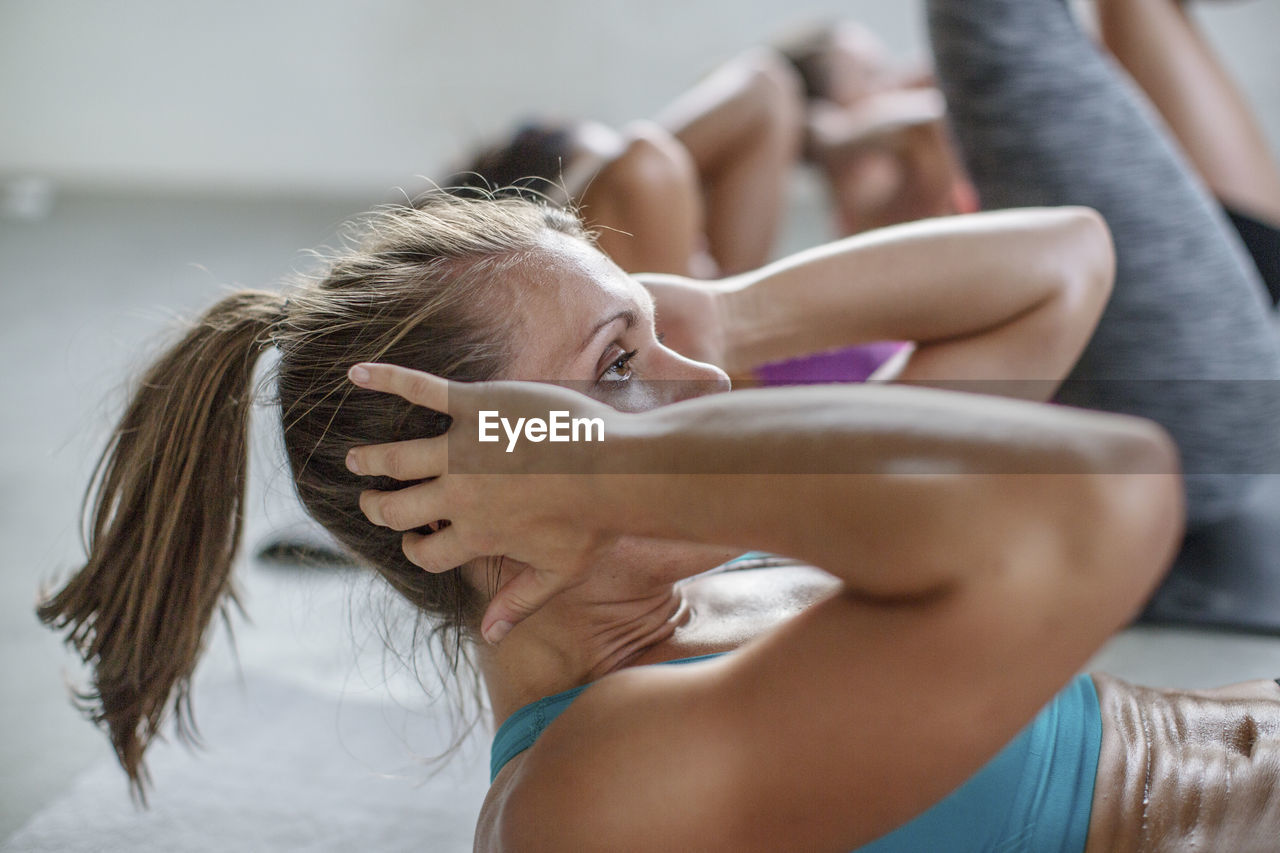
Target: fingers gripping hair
{"type": "Point", "coordinates": [164, 515]}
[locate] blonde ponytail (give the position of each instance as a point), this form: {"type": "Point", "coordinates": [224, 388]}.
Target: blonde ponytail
{"type": "Point", "coordinates": [164, 515]}
{"type": "Point", "coordinates": [429, 287]}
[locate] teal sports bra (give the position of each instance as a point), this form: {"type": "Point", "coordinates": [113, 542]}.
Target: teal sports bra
{"type": "Point", "coordinates": [1035, 795]}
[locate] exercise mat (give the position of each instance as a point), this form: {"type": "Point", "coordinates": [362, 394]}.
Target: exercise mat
{"type": "Point", "coordinates": [284, 767]}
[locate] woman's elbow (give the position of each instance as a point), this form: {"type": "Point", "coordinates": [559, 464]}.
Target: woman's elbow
{"type": "Point", "coordinates": [1091, 265]}
{"type": "Point", "coordinates": [1081, 272]}
{"type": "Point", "coordinates": [1135, 525]}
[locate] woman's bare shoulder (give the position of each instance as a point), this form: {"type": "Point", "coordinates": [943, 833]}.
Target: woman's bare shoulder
{"type": "Point", "coordinates": [582, 784]}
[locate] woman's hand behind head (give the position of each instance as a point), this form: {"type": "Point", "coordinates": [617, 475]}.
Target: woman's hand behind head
{"type": "Point", "coordinates": [506, 480]}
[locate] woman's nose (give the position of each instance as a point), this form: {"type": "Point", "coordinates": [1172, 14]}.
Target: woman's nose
{"type": "Point", "coordinates": [695, 379]}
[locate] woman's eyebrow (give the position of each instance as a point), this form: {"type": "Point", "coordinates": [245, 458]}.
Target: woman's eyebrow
{"type": "Point", "coordinates": [626, 314]}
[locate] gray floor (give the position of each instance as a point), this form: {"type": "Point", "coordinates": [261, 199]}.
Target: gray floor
{"type": "Point", "coordinates": [88, 289]}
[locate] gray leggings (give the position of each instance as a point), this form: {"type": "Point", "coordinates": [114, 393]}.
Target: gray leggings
{"type": "Point", "coordinates": [1044, 118]}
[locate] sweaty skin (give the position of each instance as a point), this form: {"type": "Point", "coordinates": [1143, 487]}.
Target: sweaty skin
{"type": "Point", "coordinates": [1187, 770]}
{"type": "Point", "coordinates": [880, 622]}
{"type": "Point", "coordinates": [1179, 770]}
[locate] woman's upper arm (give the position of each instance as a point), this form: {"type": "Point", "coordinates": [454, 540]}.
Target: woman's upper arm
{"type": "Point", "coordinates": [773, 748]}
{"type": "Point", "coordinates": [1028, 354]}
{"type": "Point", "coordinates": [849, 719]}
{"type": "Point", "coordinates": [992, 296]}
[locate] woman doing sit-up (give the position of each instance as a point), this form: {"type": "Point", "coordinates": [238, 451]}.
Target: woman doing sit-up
{"type": "Point", "coordinates": [987, 626]}
{"type": "Point", "coordinates": [903, 677]}
{"type": "Point", "coordinates": [697, 191]}
{"type": "Point", "coordinates": [876, 129]}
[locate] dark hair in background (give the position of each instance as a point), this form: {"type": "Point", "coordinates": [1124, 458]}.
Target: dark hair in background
{"type": "Point", "coordinates": [427, 287]}
{"type": "Point", "coordinates": [529, 164]}
{"type": "Point", "coordinates": [806, 48]}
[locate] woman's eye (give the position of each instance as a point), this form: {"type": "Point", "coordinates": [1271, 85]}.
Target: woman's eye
{"type": "Point", "coordinates": [620, 369]}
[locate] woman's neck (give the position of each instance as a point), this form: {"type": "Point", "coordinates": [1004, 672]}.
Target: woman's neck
{"type": "Point", "coordinates": [578, 638]}
{"type": "Point", "coordinates": [632, 609]}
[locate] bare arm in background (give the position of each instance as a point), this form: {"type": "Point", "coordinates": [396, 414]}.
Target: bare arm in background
{"type": "Point", "coordinates": [1005, 296]}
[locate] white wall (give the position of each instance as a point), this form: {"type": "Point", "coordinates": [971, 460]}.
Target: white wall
{"type": "Point", "coordinates": [346, 96]}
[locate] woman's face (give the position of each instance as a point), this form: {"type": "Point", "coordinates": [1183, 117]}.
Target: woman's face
{"type": "Point", "coordinates": [585, 324]}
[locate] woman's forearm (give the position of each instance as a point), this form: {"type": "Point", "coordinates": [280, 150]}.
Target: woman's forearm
{"type": "Point", "coordinates": [1007, 295]}
{"type": "Point", "coordinates": [839, 130]}
{"type": "Point", "coordinates": [896, 490]}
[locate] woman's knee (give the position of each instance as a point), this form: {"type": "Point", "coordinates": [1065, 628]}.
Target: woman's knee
{"type": "Point", "coordinates": [653, 163]}
{"type": "Point", "coordinates": [778, 92]}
